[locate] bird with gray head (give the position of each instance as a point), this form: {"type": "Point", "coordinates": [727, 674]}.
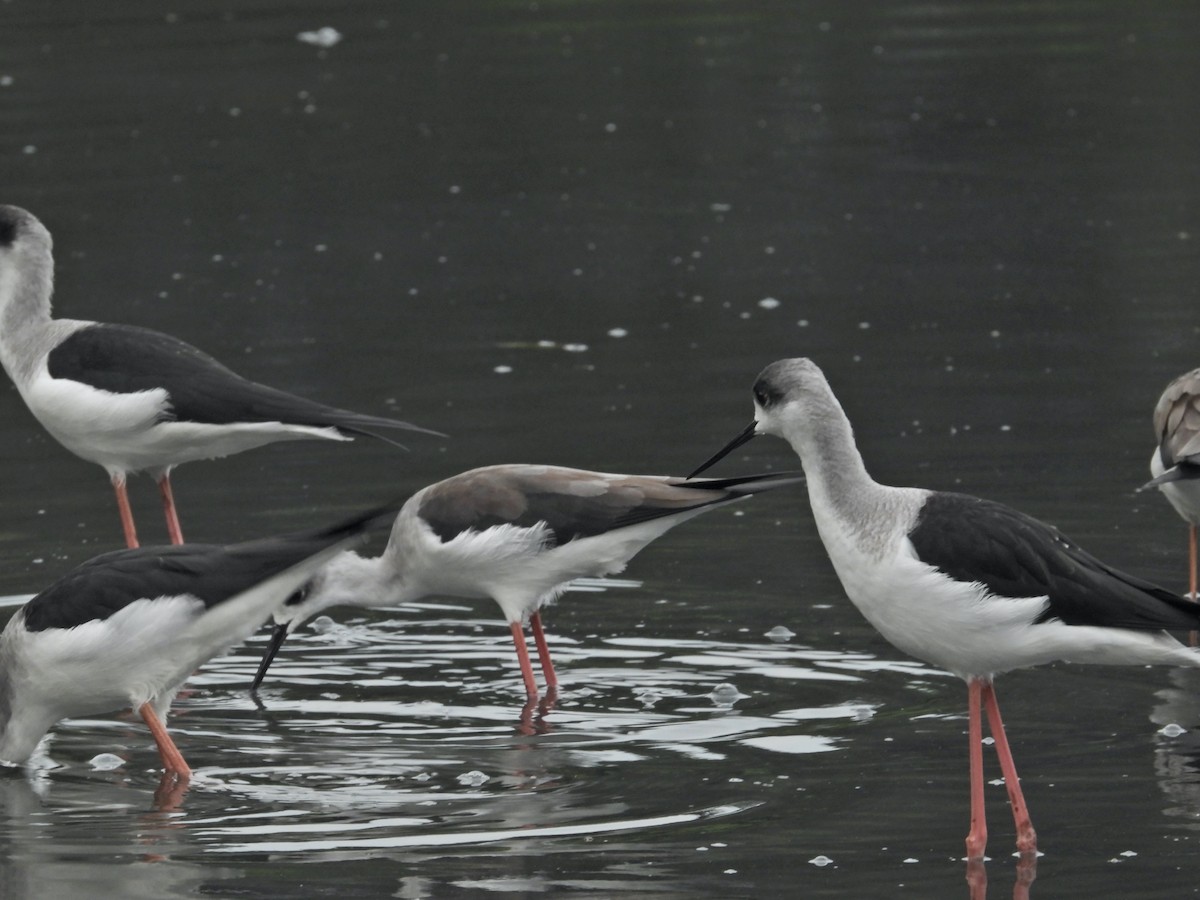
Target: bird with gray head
{"type": "Point", "coordinates": [966, 584]}
{"type": "Point", "coordinates": [131, 399]}
{"type": "Point", "coordinates": [1175, 463]}
{"type": "Point", "coordinates": [517, 534]}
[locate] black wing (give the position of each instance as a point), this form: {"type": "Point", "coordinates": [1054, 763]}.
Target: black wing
{"type": "Point", "coordinates": [125, 359]}
{"type": "Point", "coordinates": [572, 503]}
{"type": "Point", "coordinates": [211, 573]}
{"type": "Point", "coordinates": [1015, 555]}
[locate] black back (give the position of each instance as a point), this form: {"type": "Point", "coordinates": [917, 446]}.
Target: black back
{"type": "Point", "coordinates": [211, 573]}
{"type": "Point", "coordinates": [125, 359]}
{"type": "Point", "coordinates": [527, 496]}
{"type": "Point", "coordinates": [1015, 555]}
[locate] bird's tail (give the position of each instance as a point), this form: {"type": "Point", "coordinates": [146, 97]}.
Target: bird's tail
{"type": "Point", "coordinates": [1180, 472]}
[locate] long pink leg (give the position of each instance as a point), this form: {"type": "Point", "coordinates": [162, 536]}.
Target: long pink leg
{"type": "Point", "coordinates": [172, 759]}
{"type": "Point", "coordinates": [118, 483]}
{"type": "Point", "coordinates": [977, 836]}
{"type": "Point", "coordinates": [168, 500]}
{"type": "Point", "coordinates": [518, 637]}
{"type": "Point", "coordinates": [1026, 836]}
{"type": "Point", "coordinates": [539, 639]}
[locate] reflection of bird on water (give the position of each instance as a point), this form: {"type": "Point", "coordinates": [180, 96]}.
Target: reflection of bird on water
{"type": "Point", "coordinates": [966, 584]}
{"type": "Point", "coordinates": [1177, 744]}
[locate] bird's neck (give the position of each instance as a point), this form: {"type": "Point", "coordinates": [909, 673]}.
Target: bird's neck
{"type": "Point", "coordinates": [24, 312]}
{"type": "Point", "coordinates": [824, 441]}
{"type": "Point", "coordinates": [849, 506]}
{"type": "Point", "coordinates": [22, 725]}
{"type": "Point", "coordinates": [6, 716]}
{"type": "Point", "coordinates": [353, 580]}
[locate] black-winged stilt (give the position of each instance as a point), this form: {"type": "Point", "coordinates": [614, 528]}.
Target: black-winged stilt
{"type": "Point", "coordinates": [1175, 464]}
{"type": "Point", "coordinates": [516, 534]}
{"type": "Point", "coordinates": [966, 584]}
{"type": "Point", "coordinates": [128, 627]}
{"type": "Point", "coordinates": [132, 399]}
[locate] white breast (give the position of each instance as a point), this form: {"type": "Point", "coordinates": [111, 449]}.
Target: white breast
{"type": "Point", "coordinates": [1183, 495]}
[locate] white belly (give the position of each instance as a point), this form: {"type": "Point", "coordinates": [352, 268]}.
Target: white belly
{"type": "Point", "coordinates": [124, 432]}
{"type": "Point", "coordinates": [1183, 495]}
{"type": "Point", "coordinates": [971, 632]}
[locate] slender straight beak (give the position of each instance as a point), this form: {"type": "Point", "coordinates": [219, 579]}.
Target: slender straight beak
{"type": "Point", "coordinates": [744, 436]}
{"type": "Point", "coordinates": [277, 639]}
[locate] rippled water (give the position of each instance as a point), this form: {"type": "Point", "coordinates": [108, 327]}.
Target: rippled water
{"type": "Point", "coordinates": [572, 233]}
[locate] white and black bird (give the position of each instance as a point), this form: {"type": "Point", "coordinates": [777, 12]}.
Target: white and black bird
{"type": "Point", "coordinates": [127, 628]}
{"type": "Point", "coordinates": [1175, 463]}
{"type": "Point", "coordinates": [517, 534]}
{"type": "Point", "coordinates": [132, 399]}
{"type": "Point", "coordinates": [966, 584]}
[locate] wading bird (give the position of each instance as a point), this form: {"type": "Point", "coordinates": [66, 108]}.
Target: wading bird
{"type": "Point", "coordinates": [516, 534]}
{"type": "Point", "coordinates": [132, 399]}
{"type": "Point", "coordinates": [963, 583]}
{"type": "Point", "coordinates": [1175, 464]}
{"type": "Point", "coordinates": [128, 627]}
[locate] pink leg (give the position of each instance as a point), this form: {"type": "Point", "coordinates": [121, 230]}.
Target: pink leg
{"type": "Point", "coordinates": [168, 500]}
{"type": "Point", "coordinates": [977, 836]}
{"type": "Point", "coordinates": [1026, 837]}
{"type": "Point", "coordinates": [172, 759]}
{"type": "Point", "coordinates": [539, 640]}
{"type": "Point", "coordinates": [523, 658]}
{"type": "Point", "coordinates": [118, 483]}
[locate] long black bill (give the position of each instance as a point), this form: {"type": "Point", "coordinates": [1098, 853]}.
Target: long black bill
{"type": "Point", "coordinates": [728, 448]}
{"type": "Point", "coordinates": [277, 639]}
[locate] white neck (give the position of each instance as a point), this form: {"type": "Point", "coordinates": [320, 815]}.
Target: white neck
{"type": "Point", "coordinates": [349, 580]}
{"type": "Point", "coordinates": [844, 496]}
{"type": "Point", "coordinates": [26, 284]}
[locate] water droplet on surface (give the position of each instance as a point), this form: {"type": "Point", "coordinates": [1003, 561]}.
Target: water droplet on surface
{"type": "Point", "coordinates": [1172, 730]}
{"type": "Point", "coordinates": [724, 694]}
{"type": "Point", "coordinates": [106, 762]}
{"type": "Point", "coordinates": [474, 778]}
{"type": "Point", "coordinates": [780, 633]}
{"type": "Point", "coordinates": [821, 861]}
{"type": "Point", "coordinates": [322, 37]}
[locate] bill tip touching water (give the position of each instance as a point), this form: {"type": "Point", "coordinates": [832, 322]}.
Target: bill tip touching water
{"type": "Point", "coordinates": [515, 534]}
{"type": "Point", "coordinates": [127, 629]}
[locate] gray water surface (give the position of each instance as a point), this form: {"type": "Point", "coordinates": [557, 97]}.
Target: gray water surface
{"type": "Point", "coordinates": [573, 232]}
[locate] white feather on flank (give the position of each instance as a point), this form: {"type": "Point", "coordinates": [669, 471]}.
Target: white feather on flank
{"type": "Point", "coordinates": [143, 652]}
{"type": "Point", "coordinates": [127, 432]}
{"type": "Point", "coordinates": [959, 626]}
{"type": "Point", "coordinates": [520, 568]}
{"type": "Point", "coordinates": [1183, 495]}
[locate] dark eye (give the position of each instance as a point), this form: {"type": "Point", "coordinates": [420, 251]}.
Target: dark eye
{"type": "Point", "coordinates": [764, 394]}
